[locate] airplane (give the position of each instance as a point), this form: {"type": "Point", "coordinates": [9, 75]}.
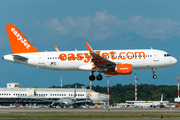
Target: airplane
{"type": "Point", "coordinates": [67, 101]}
{"type": "Point", "coordinates": [110, 62]}
{"type": "Point", "coordinates": [159, 103]}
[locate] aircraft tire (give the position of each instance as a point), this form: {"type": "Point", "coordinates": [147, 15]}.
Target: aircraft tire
{"type": "Point", "coordinates": [92, 77]}
{"type": "Point", "coordinates": [154, 76]}
{"type": "Point", "coordinates": [99, 77]}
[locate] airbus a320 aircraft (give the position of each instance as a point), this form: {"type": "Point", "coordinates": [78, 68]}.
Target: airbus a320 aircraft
{"type": "Point", "coordinates": [110, 62]}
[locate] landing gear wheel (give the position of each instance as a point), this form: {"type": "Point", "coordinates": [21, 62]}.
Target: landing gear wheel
{"type": "Point", "coordinates": [154, 76]}
{"type": "Point", "coordinates": [92, 77]}
{"type": "Point", "coordinates": [99, 77]}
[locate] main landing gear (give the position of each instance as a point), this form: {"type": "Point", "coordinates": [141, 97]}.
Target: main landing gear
{"type": "Point", "coordinates": [154, 76]}
{"type": "Point", "coordinates": [98, 77]}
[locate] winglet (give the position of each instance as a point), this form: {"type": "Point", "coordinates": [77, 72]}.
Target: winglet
{"type": "Point", "coordinates": [89, 48]}
{"type": "Point", "coordinates": [56, 48]}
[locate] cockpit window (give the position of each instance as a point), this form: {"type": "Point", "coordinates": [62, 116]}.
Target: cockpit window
{"type": "Point", "coordinates": [167, 55]}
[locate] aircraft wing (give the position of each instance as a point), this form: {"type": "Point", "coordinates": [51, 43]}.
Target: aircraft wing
{"type": "Point", "coordinates": [82, 101]}
{"type": "Point", "coordinates": [98, 60]}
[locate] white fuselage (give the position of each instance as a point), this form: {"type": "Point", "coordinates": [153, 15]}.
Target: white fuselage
{"type": "Point", "coordinates": [81, 60]}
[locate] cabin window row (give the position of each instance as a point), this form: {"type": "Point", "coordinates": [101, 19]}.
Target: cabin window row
{"type": "Point", "coordinates": [13, 94]}
{"type": "Point", "coordinates": [103, 56]}
{"type": "Point", "coordinates": [57, 94]}
{"type": "Point", "coordinates": [66, 57]}
{"type": "Point", "coordinates": [40, 94]}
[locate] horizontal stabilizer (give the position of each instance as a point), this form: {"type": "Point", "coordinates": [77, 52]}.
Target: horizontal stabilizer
{"type": "Point", "coordinates": [20, 57]}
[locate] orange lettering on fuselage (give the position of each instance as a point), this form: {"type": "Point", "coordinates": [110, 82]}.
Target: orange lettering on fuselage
{"type": "Point", "coordinates": [79, 56]}
{"type": "Point", "coordinates": [98, 52]}
{"type": "Point", "coordinates": [111, 55]}
{"type": "Point", "coordinates": [139, 55]}
{"type": "Point", "coordinates": [62, 57]}
{"type": "Point", "coordinates": [88, 57]}
{"type": "Point", "coordinates": [105, 55]}
{"type": "Point", "coordinates": [71, 56]}
{"type": "Point", "coordinates": [130, 55]}
{"type": "Point", "coordinates": [122, 57]}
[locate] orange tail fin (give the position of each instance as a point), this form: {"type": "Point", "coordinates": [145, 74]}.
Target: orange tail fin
{"type": "Point", "coordinates": [18, 42]}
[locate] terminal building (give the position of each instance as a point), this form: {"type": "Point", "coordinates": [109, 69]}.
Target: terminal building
{"type": "Point", "coordinates": [12, 94]}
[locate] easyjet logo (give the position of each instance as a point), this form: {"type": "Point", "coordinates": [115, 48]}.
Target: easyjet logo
{"type": "Point", "coordinates": [20, 38]}
{"type": "Point", "coordinates": [124, 68]}
{"type": "Point", "coordinates": [107, 55]}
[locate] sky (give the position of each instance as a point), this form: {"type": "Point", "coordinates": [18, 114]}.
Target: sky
{"type": "Point", "coordinates": [104, 24]}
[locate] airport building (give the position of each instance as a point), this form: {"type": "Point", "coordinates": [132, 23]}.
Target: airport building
{"type": "Point", "coordinates": [12, 94]}
{"type": "Point", "coordinates": [177, 99]}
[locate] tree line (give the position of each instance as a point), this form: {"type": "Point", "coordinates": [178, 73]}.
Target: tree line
{"type": "Point", "coordinates": [120, 93]}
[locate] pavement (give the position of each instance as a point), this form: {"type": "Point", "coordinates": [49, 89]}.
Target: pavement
{"type": "Point", "coordinates": [78, 110]}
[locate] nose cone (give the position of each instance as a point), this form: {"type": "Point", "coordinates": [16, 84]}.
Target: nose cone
{"type": "Point", "coordinates": [173, 61]}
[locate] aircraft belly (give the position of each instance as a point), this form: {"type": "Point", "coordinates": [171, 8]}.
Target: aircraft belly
{"type": "Point", "coordinates": [149, 65]}
{"type": "Point", "coordinates": [63, 66]}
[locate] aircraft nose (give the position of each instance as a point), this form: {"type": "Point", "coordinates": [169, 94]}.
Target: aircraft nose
{"type": "Point", "coordinates": [173, 61]}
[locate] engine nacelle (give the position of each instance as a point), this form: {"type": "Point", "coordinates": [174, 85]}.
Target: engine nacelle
{"type": "Point", "coordinates": [123, 69]}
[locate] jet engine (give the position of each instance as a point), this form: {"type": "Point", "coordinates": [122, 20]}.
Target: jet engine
{"type": "Point", "coordinates": [123, 69]}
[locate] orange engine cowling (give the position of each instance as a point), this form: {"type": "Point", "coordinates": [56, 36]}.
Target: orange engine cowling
{"type": "Point", "coordinates": [123, 69]}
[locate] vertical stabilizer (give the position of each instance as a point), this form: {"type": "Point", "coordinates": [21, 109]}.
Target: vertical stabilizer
{"type": "Point", "coordinates": [161, 97]}
{"type": "Point", "coordinates": [18, 42]}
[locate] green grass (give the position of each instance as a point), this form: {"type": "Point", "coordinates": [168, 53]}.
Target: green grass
{"type": "Point", "coordinates": [97, 115]}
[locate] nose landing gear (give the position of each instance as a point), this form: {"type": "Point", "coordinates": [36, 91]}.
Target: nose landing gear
{"type": "Point", "coordinates": [154, 76]}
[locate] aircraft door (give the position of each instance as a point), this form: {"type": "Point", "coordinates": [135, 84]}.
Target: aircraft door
{"type": "Point", "coordinates": [41, 59]}
{"type": "Point", "coordinates": [155, 56]}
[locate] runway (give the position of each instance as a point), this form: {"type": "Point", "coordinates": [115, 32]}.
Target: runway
{"type": "Point", "coordinates": [89, 110]}
{"type": "Point", "coordinates": [89, 113]}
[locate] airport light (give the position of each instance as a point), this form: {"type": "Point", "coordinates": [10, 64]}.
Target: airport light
{"type": "Point", "coordinates": [90, 89]}
{"type": "Point", "coordinates": [178, 86]}
{"type": "Point", "coordinates": [108, 89]}
{"type": "Point", "coordinates": [61, 82]}
{"type": "Point", "coordinates": [135, 86]}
